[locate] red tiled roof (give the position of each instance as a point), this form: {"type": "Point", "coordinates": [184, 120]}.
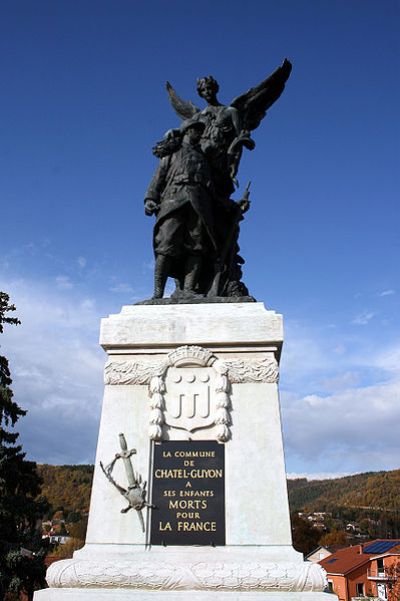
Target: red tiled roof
{"type": "Point", "coordinates": [348, 559]}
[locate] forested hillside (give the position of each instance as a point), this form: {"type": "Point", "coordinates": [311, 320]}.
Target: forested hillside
{"type": "Point", "coordinates": [339, 511]}
{"type": "Point", "coordinates": [68, 487]}
{"type": "Point", "coordinates": [371, 490]}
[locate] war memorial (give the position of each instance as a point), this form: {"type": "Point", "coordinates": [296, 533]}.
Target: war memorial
{"type": "Point", "coordinates": [189, 497]}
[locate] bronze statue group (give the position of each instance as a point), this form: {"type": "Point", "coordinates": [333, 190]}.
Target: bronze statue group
{"type": "Point", "coordinates": [196, 232]}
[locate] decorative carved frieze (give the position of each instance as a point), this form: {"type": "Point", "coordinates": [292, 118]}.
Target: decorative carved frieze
{"type": "Point", "coordinates": [205, 401]}
{"type": "Point", "coordinates": [147, 573]}
{"type": "Point", "coordinates": [242, 371]}
{"type": "Point", "coordinates": [132, 372]}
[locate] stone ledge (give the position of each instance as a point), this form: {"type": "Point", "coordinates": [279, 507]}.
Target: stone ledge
{"type": "Point", "coordinates": [204, 324]}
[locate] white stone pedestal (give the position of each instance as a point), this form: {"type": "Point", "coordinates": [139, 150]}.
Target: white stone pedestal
{"type": "Point", "coordinates": [229, 354]}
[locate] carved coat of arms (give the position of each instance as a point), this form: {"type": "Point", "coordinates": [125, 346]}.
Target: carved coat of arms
{"type": "Point", "coordinates": [189, 398]}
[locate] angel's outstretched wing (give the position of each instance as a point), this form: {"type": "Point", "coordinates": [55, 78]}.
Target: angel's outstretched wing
{"type": "Point", "coordinates": [254, 104]}
{"type": "Point", "coordinates": [185, 109]}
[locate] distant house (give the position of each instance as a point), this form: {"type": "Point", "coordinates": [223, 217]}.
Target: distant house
{"type": "Point", "coordinates": [56, 539]}
{"type": "Point", "coordinates": [362, 570]}
{"type": "Point", "coordinates": [317, 518]}
{"type": "Point", "coordinates": [59, 539]}
{"type": "Point", "coordinates": [322, 552]}
{"type": "Point", "coordinates": [57, 534]}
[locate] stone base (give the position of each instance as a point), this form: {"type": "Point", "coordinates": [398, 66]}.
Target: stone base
{"type": "Point", "coordinates": [212, 570]}
{"type": "Point", "coordinates": [73, 594]}
{"type": "Point", "coordinates": [232, 350]}
{"type": "Point", "coordinates": [186, 574]}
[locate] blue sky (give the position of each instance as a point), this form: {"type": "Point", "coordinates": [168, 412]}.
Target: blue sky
{"type": "Point", "coordinates": [83, 102]}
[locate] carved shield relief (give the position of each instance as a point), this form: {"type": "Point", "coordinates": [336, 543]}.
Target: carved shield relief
{"type": "Point", "coordinates": [190, 398]}
{"type": "Point", "coordinates": [190, 389]}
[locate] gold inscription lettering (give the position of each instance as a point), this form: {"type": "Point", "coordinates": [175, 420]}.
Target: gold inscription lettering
{"type": "Point", "coordinates": [197, 526]}
{"type": "Point", "coordinates": [183, 473]}
{"type": "Point", "coordinates": [187, 515]}
{"type": "Point", "coordinates": [196, 493]}
{"type": "Point", "coordinates": [188, 504]}
{"type": "Point", "coordinates": [190, 454]}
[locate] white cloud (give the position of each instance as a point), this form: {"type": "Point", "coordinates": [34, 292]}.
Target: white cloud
{"type": "Point", "coordinates": [353, 428]}
{"type": "Point", "coordinates": [56, 366]}
{"type": "Point", "coordinates": [64, 282]}
{"type": "Point", "coordinates": [170, 287]}
{"type": "Point", "coordinates": [148, 265]}
{"type": "Point", "coordinates": [318, 476]}
{"type": "Point", "coordinates": [387, 359]}
{"type": "Point", "coordinates": [303, 354]}
{"type": "Point", "coordinates": [339, 349]}
{"type": "Point", "coordinates": [363, 318]}
{"type": "Point", "coordinates": [341, 381]}
{"type": "Point", "coordinates": [387, 293]}
{"type": "Point", "coordinates": [340, 396]}
{"type": "Point", "coordinates": [122, 287]}
{"type": "Point", "coordinates": [87, 304]}
{"type": "Point", "coordinates": [82, 262]}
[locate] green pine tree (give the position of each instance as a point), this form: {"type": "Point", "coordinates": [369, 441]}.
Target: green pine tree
{"type": "Point", "coordinates": [22, 566]}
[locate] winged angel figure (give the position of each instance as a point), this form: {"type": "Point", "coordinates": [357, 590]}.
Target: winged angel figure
{"type": "Point", "coordinates": [212, 139]}
{"type": "Point", "coordinates": [228, 128]}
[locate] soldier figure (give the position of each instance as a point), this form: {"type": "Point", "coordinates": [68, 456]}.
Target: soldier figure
{"type": "Point", "coordinates": [181, 195]}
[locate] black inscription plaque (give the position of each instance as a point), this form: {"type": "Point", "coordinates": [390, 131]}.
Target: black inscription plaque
{"type": "Point", "coordinates": [188, 491]}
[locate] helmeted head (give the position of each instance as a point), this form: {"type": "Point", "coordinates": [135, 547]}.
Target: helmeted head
{"type": "Point", "coordinates": [192, 124]}
{"type": "Point", "coordinates": [207, 87]}
{"type": "Point", "coordinates": [193, 129]}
